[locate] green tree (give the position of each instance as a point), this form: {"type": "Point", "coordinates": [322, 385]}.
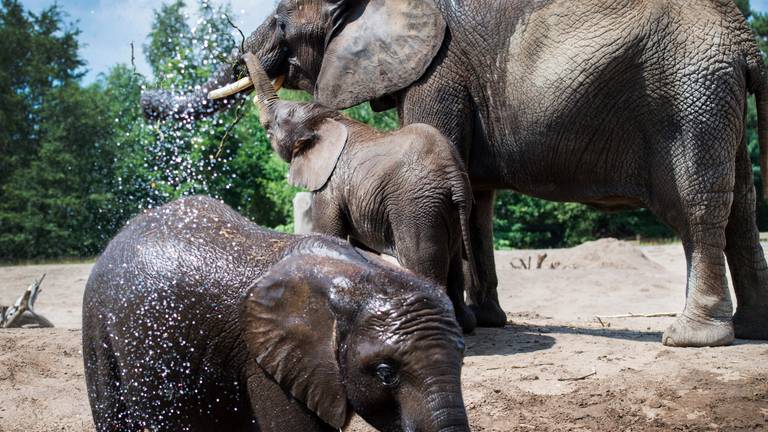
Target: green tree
{"type": "Point", "coordinates": [38, 53]}
{"type": "Point", "coordinates": [744, 7]}
{"type": "Point", "coordinates": [54, 186]}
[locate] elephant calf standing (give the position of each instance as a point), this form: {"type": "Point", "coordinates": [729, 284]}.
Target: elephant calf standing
{"type": "Point", "coordinates": [195, 319]}
{"type": "Point", "coordinates": [403, 193]}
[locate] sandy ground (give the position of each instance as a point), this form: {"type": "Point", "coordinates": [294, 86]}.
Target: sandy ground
{"type": "Point", "coordinates": [554, 368]}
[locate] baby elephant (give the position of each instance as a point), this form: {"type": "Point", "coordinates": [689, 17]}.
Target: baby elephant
{"type": "Point", "coordinates": [403, 193]}
{"type": "Point", "coordinates": [195, 319]}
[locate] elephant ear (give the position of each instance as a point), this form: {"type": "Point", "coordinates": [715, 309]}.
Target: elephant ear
{"type": "Point", "coordinates": [384, 46]}
{"type": "Point", "coordinates": [290, 330]}
{"type": "Point", "coordinates": [312, 168]}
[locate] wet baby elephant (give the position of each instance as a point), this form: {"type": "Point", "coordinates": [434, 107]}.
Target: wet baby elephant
{"type": "Point", "coordinates": [404, 193]}
{"type": "Point", "coordinates": [196, 319]}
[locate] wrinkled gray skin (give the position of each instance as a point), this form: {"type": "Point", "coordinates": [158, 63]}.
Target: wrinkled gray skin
{"type": "Point", "coordinates": [195, 319]}
{"type": "Point", "coordinates": [616, 104]}
{"type": "Point", "coordinates": [403, 193]}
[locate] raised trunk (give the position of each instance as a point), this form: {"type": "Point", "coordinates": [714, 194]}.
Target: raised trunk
{"type": "Point", "coordinates": [161, 104]}
{"type": "Point", "coordinates": [265, 91]}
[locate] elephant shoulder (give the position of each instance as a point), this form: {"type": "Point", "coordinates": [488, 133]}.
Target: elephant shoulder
{"type": "Point", "coordinates": [424, 135]}
{"type": "Point", "coordinates": [430, 143]}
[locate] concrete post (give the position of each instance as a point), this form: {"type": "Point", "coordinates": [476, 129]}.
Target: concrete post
{"type": "Point", "coordinates": [302, 213]}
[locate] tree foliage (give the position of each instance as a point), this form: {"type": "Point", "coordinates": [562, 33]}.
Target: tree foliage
{"type": "Point", "coordinates": [77, 161]}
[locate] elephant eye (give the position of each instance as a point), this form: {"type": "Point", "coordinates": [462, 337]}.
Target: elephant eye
{"type": "Point", "coordinates": [280, 24]}
{"type": "Point", "coordinates": [387, 375]}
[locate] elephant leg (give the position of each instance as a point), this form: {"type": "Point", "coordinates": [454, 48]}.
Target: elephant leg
{"type": "Point", "coordinates": [706, 319]}
{"type": "Point", "coordinates": [327, 217]}
{"type": "Point", "coordinates": [484, 298]}
{"type": "Point", "coordinates": [456, 283]}
{"type": "Point", "coordinates": [428, 254]}
{"type": "Point", "coordinates": [697, 204]}
{"type": "Point", "coordinates": [745, 256]}
{"type": "Point", "coordinates": [103, 382]}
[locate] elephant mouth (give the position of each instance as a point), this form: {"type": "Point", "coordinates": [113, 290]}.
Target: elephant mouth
{"type": "Point", "coordinates": [242, 85]}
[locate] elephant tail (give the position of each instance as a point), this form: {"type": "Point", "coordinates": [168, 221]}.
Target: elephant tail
{"type": "Point", "coordinates": [757, 80]}
{"type": "Point", "coordinates": [461, 194]}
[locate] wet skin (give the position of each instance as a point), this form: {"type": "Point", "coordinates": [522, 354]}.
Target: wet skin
{"type": "Point", "coordinates": [195, 319]}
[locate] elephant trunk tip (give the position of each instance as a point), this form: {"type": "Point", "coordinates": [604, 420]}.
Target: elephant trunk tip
{"type": "Point", "coordinates": [151, 106]}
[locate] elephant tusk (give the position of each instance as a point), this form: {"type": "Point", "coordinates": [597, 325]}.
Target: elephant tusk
{"type": "Point", "coordinates": [231, 89]}
{"type": "Point", "coordinates": [241, 85]}
{"type": "Point", "coordinates": [278, 83]}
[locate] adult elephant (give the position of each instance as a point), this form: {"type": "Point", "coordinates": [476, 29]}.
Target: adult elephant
{"type": "Point", "coordinates": [616, 104]}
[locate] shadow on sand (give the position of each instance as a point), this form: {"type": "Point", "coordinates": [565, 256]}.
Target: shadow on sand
{"type": "Point", "coordinates": [524, 337]}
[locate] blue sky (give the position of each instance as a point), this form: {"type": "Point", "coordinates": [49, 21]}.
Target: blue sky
{"type": "Point", "coordinates": [109, 26]}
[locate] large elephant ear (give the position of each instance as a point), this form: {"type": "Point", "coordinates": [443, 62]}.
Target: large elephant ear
{"type": "Point", "coordinates": [384, 46]}
{"type": "Point", "coordinates": [290, 330]}
{"type": "Point", "coordinates": [312, 168]}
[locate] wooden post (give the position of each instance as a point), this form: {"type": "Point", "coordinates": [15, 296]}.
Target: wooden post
{"type": "Point", "coordinates": [302, 213]}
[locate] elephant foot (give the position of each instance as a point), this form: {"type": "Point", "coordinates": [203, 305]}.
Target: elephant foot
{"type": "Point", "coordinates": [489, 314]}
{"type": "Point", "coordinates": [466, 318]}
{"type": "Point", "coordinates": [751, 323]}
{"type": "Point", "coordinates": [687, 332]}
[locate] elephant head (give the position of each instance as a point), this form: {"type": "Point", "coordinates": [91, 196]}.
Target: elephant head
{"type": "Point", "coordinates": [343, 51]}
{"type": "Point", "coordinates": [308, 135]}
{"type": "Point", "coordinates": [342, 334]}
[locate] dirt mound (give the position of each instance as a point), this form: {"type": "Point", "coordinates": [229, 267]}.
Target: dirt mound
{"type": "Point", "coordinates": [607, 253]}
{"type": "Point", "coordinates": [42, 387]}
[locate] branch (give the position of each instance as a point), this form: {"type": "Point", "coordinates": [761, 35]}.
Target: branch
{"type": "Point", "coordinates": [632, 315]}
{"type": "Point", "coordinates": [580, 378]}
{"type": "Point", "coordinates": [240, 113]}
{"type": "Point", "coordinates": [242, 35]}
{"type": "Point", "coordinates": [133, 61]}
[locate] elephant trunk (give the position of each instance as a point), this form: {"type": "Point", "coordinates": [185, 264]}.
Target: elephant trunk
{"type": "Point", "coordinates": [450, 417]}
{"type": "Point", "coordinates": [266, 91]}
{"type": "Point", "coordinates": [445, 403]}
{"type": "Point", "coordinates": [263, 42]}
{"type": "Point", "coordinates": [162, 104]}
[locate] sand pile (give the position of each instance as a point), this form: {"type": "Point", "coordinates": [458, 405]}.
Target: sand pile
{"type": "Point", "coordinates": [607, 253]}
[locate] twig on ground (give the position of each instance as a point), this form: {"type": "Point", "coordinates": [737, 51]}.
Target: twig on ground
{"type": "Point", "coordinates": [602, 324]}
{"type": "Point", "coordinates": [521, 366]}
{"type": "Point", "coordinates": [580, 378]}
{"type": "Point", "coordinates": [633, 315]}
{"type": "Point", "coordinates": [528, 366]}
